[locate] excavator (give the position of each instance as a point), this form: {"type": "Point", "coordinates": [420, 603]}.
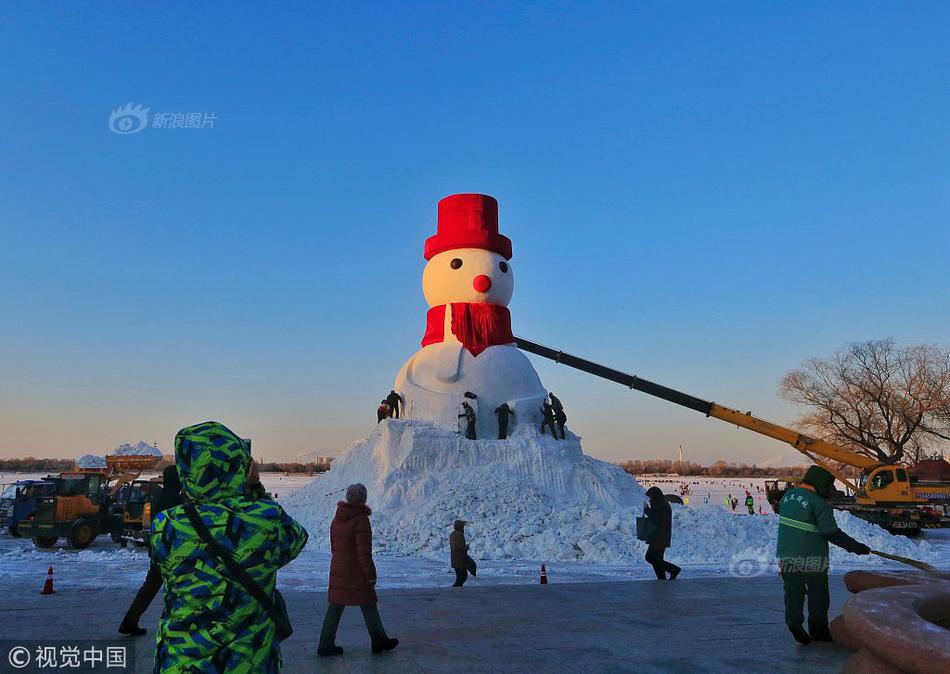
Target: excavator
{"type": "Point", "coordinates": [890, 495]}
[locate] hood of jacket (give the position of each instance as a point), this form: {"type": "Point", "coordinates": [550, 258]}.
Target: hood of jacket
{"type": "Point", "coordinates": [212, 462]}
{"type": "Point", "coordinates": [347, 511]}
{"type": "Point", "coordinates": [655, 494]}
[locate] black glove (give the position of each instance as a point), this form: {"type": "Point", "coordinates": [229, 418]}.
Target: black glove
{"type": "Point", "coordinates": [843, 540]}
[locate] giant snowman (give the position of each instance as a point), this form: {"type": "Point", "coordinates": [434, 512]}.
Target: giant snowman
{"type": "Point", "coordinates": [528, 496]}
{"type": "Point", "coordinates": [468, 347]}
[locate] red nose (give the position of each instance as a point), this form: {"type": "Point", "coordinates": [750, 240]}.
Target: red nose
{"type": "Point", "coordinates": [481, 283]}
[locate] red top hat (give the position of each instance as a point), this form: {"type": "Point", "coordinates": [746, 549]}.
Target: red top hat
{"type": "Point", "coordinates": [468, 221]}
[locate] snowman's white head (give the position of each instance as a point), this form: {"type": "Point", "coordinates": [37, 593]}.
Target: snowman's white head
{"type": "Point", "coordinates": [468, 275]}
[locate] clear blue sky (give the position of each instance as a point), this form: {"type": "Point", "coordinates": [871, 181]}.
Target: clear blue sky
{"type": "Point", "coordinates": [704, 195]}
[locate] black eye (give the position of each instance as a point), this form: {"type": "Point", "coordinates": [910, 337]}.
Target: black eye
{"type": "Point", "coordinates": [503, 266]}
{"type": "Point", "coordinates": [455, 263]}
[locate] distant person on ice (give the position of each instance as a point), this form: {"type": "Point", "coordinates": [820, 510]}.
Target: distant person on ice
{"type": "Point", "coordinates": [547, 414]}
{"type": "Point", "coordinates": [384, 411]}
{"type": "Point", "coordinates": [394, 400]}
{"type": "Point", "coordinates": [467, 414]}
{"type": "Point", "coordinates": [168, 496]}
{"type": "Point", "coordinates": [806, 526]}
{"type": "Point", "coordinates": [660, 519]}
{"type": "Point", "coordinates": [503, 411]}
{"type": "Point", "coordinates": [211, 623]}
{"type": "Point", "coordinates": [559, 416]}
{"type": "Point", "coordinates": [749, 503]}
{"type": "Point", "coordinates": [352, 574]}
{"type": "Point", "coordinates": [458, 550]}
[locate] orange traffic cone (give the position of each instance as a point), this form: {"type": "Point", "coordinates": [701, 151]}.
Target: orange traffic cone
{"type": "Point", "coordinates": [48, 585]}
{"type": "Point", "coordinates": [544, 575]}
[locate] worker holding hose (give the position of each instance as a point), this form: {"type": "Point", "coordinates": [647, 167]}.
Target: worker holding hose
{"type": "Point", "coordinates": [806, 526]}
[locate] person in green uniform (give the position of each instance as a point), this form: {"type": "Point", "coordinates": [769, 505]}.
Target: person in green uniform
{"type": "Point", "coordinates": [806, 526]}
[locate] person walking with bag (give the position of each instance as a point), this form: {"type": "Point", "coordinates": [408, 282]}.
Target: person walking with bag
{"type": "Point", "coordinates": [458, 549]}
{"type": "Point", "coordinates": [660, 533]}
{"type": "Point", "coordinates": [218, 554]}
{"type": "Point", "coordinates": [352, 574]}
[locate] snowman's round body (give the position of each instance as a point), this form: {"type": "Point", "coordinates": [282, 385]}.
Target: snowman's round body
{"type": "Point", "coordinates": [434, 381]}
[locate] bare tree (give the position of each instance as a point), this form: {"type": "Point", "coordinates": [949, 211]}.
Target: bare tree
{"type": "Point", "coordinates": [879, 399]}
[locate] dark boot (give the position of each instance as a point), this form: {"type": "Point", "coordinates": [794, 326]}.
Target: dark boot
{"type": "Point", "coordinates": [385, 645]}
{"type": "Point", "coordinates": [801, 636]}
{"type": "Point", "coordinates": [131, 630]}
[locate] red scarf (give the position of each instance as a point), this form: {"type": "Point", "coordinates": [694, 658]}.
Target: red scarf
{"type": "Point", "coordinates": [476, 325]}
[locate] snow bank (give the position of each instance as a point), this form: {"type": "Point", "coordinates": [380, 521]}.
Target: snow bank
{"type": "Point", "coordinates": [531, 497]}
{"type": "Point", "coordinates": [138, 449]}
{"type": "Point", "coordinates": [536, 498]}
{"type": "Point", "coordinates": [91, 461]}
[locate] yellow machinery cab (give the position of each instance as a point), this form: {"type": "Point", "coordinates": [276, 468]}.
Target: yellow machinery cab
{"type": "Point", "coordinates": [885, 484]}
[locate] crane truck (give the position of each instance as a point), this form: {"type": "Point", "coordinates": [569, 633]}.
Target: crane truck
{"type": "Point", "coordinates": [890, 495]}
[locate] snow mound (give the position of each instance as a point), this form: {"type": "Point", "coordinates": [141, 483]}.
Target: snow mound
{"type": "Point", "coordinates": [138, 449]}
{"type": "Point", "coordinates": [91, 461]}
{"type": "Point", "coordinates": [535, 498]}
{"type": "Point", "coordinates": [530, 497]}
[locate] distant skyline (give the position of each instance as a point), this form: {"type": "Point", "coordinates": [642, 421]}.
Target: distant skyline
{"type": "Point", "coordinates": [701, 195]}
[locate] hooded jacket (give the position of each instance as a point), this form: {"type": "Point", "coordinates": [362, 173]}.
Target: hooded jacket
{"type": "Point", "coordinates": [458, 548]}
{"type": "Point", "coordinates": [660, 516]}
{"type": "Point", "coordinates": [210, 622]}
{"type": "Point", "coordinates": [352, 571]}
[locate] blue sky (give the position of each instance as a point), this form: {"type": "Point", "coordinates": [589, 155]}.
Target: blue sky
{"type": "Point", "coordinates": [703, 195]}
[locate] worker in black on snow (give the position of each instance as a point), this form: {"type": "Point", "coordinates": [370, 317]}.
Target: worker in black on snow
{"type": "Point", "coordinates": [394, 400]}
{"type": "Point", "coordinates": [547, 414]}
{"type": "Point", "coordinates": [660, 522]}
{"type": "Point", "coordinates": [806, 524]}
{"type": "Point", "coordinates": [559, 416]}
{"type": "Point", "coordinates": [503, 411]}
{"type": "Point", "coordinates": [468, 414]}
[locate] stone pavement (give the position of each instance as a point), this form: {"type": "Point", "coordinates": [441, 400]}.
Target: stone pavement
{"type": "Point", "coordinates": [689, 625]}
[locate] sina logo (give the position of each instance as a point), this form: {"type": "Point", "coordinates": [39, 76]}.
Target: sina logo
{"type": "Point", "coordinates": [128, 119]}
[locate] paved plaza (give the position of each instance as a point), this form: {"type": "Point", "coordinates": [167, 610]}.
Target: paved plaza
{"type": "Point", "coordinates": [699, 625]}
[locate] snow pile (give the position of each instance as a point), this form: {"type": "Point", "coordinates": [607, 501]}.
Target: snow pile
{"type": "Point", "coordinates": [535, 498]}
{"type": "Point", "coordinates": [713, 536]}
{"type": "Point", "coordinates": [138, 449]}
{"type": "Point", "coordinates": [91, 461]}
{"type": "Point", "coordinates": [531, 497]}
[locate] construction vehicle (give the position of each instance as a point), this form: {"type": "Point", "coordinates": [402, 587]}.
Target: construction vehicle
{"type": "Point", "coordinates": [130, 514]}
{"type": "Point", "coordinates": [79, 508]}
{"type": "Point", "coordinates": [18, 501]}
{"type": "Point", "coordinates": [890, 495]}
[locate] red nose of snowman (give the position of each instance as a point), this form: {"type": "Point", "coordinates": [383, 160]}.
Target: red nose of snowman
{"type": "Point", "coordinates": [481, 283]}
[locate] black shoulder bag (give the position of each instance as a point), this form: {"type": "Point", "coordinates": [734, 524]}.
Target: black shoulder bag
{"type": "Point", "coordinates": [275, 608]}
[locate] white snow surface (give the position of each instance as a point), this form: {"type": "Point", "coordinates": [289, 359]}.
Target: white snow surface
{"type": "Point", "coordinates": [138, 449]}
{"type": "Point", "coordinates": [536, 498]}
{"type": "Point", "coordinates": [530, 497]}
{"type": "Point", "coordinates": [91, 461]}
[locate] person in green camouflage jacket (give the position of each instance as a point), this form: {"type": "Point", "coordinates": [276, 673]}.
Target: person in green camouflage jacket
{"type": "Point", "coordinates": [806, 524]}
{"type": "Point", "coordinates": [210, 622]}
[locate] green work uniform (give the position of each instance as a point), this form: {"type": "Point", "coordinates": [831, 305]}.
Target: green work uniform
{"type": "Point", "coordinates": [805, 520]}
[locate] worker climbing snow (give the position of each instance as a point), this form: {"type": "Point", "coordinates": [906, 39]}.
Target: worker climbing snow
{"type": "Point", "coordinates": [467, 416]}
{"type": "Point", "coordinates": [503, 411]}
{"type": "Point", "coordinates": [806, 526]}
{"type": "Point", "coordinates": [384, 411]}
{"type": "Point", "coordinates": [394, 400]}
{"type": "Point", "coordinates": [547, 412]}
{"type": "Point", "coordinates": [559, 416]}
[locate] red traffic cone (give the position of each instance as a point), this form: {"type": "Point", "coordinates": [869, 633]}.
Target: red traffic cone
{"type": "Point", "coordinates": [48, 585]}
{"type": "Point", "coordinates": [544, 575]}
